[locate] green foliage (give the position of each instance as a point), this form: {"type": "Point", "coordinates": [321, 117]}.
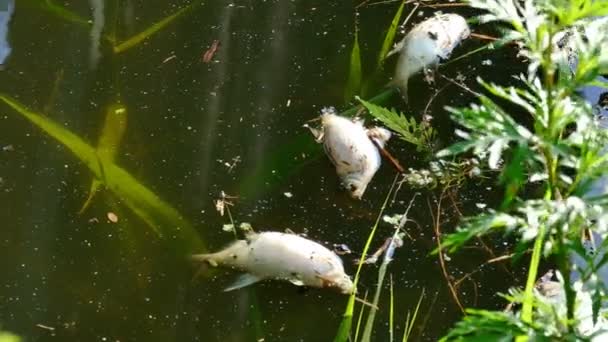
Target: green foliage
{"type": "Point", "coordinates": [373, 79]}
{"type": "Point", "coordinates": [387, 43]}
{"type": "Point", "coordinates": [163, 219]}
{"type": "Point", "coordinates": [420, 134]}
{"type": "Point", "coordinates": [410, 319]}
{"type": "Point", "coordinates": [109, 142]}
{"type": "Point", "coordinates": [151, 30]}
{"type": "Point", "coordinates": [8, 337]}
{"type": "Point", "coordinates": [59, 11]}
{"type": "Point", "coordinates": [563, 151]}
{"type": "Point", "coordinates": [483, 325]}
{"type": "Point", "coordinates": [344, 329]}
{"type": "Point", "coordinates": [353, 85]}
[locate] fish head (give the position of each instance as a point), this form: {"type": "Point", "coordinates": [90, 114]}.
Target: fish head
{"type": "Point", "coordinates": [355, 186]}
{"type": "Point", "coordinates": [345, 285]}
{"type": "Point", "coordinates": [339, 281]}
{"type": "Point", "coordinates": [379, 134]}
{"type": "Point", "coordinates": [328, 116]}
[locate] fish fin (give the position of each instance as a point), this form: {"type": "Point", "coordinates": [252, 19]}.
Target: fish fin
{"type": "Point", "coordinates": [401, 85]}
{"type": "Point", "coordinates": [243, 280]}
{"type": "Point", "coordinates": [251, 236]}
{"type": "Point", "coordinates": [204, 258]}
{"type": "Point", "coordinates": [396, 48]}
{"type": "Point", "coordinates": [316, 133]}
{"type": "Point", "coordinates": [380, 134]}
{"type": "Point", "coordinates": [296, 282]}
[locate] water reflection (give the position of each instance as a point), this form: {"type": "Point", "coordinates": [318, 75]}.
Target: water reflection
{"type": "Point", "coordinates": [7, 7]}
{"type": "Point", "coordinates": [96, 30]}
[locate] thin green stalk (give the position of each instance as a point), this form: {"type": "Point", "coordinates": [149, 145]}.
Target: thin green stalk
{"type": "Point", "coordinates": [391, 314]}
{"type": "Point", "coordinates": [526, 312]}
{"type": "Point", "coordinates": [388, 257]}
{"type": "Point", "coordinates": [360, 319]}
{"type": "Point", "coordinates": [344, 328]}
{"type": "Point", "coordinates": [409, 321]}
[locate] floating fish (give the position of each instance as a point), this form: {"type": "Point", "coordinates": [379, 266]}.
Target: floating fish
{"type": "Point", "coordinates": [426, 45]}
{"type": "Point", "coordinates": [274, 255]}
{"type": "Point", "coordinates": [352, 149]}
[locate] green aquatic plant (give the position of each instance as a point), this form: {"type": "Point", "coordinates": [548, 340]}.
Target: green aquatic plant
{"type": "Point", "coordinates": [58, 11]}
{"type": "Point", "coordinates": [161, 217]}
{"type": "Point", "coordinates": [67, 15]}
{"type": "Point", "coordinates": [152, 29]}
{"type": "Point", "coordinates": [353, 84]}
{"type": "Point", "coordinates": [393, 242]}
{"type": "Point", "coordinates": [420, 134]}
{"type": "Point", "coordinates": [562, 151]}
{"type": "Point", "coordinates": [356, 83]}
{"type": "Point", "coordinates": [344, 329]}
{"type": "Point", "coordinates": [109, 142]}
{"type": "Point", "coordinates": [411, 319]}
{"type": "Point", "coordinates": [9, 337]}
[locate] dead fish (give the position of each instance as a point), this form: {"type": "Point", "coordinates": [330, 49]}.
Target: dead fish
{"type": "Point", "coordinates": [426, 45]}
{"type": "Point", "coordinates": [349, 146]}
{"type": "Point", "coordinates": [274, 255]}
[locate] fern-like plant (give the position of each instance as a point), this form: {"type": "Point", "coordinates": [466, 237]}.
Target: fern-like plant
{"type": "Point", "coordinates": [420, 134]}
{"type": "Point", "coordinates": [564, 150]}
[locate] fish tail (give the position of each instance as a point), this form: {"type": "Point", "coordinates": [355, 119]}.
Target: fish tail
{"type": "Point", "coordinates": [401, 84]}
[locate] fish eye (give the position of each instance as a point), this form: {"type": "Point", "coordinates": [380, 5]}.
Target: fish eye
{"type": "Point", "coordinates": [353, 187]}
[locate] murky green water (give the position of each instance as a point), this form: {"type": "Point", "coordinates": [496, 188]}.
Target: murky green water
{"type": "Point", "coordinates": [80, 277]}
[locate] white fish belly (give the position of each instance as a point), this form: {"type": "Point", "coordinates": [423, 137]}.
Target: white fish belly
{"type": "Point", "coordinates": [288, 256]}
{"type": "Point", "coordinates": [349, 147]}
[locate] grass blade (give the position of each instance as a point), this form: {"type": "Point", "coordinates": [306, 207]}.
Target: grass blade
{"type": "Point", "coordinates": [360, 318]}
{"type": "Point", "coordinates": [409, 322]}
{"type": "Point", "coordinates": [156, 27]}
{"type": "Point", "coordinates": [353, 85]}
{"type": "Point", "coordinates": [389, 37]}
{"type": "Point", "coordinates": [113, 130]}
{"type": "Point", "coordinates": [58, 11]}
{"type": "Point", "coordinates": [9, 337]}
{"type": "Point", "coordinates": [165, 221]}
{"type": "Point", "coordinates": [391, 313]}
{"type": "Point", "coordinates": [347, 318]}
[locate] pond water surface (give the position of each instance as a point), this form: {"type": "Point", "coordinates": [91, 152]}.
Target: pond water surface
{"type": "Point", "coordinates": [195, 129]}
